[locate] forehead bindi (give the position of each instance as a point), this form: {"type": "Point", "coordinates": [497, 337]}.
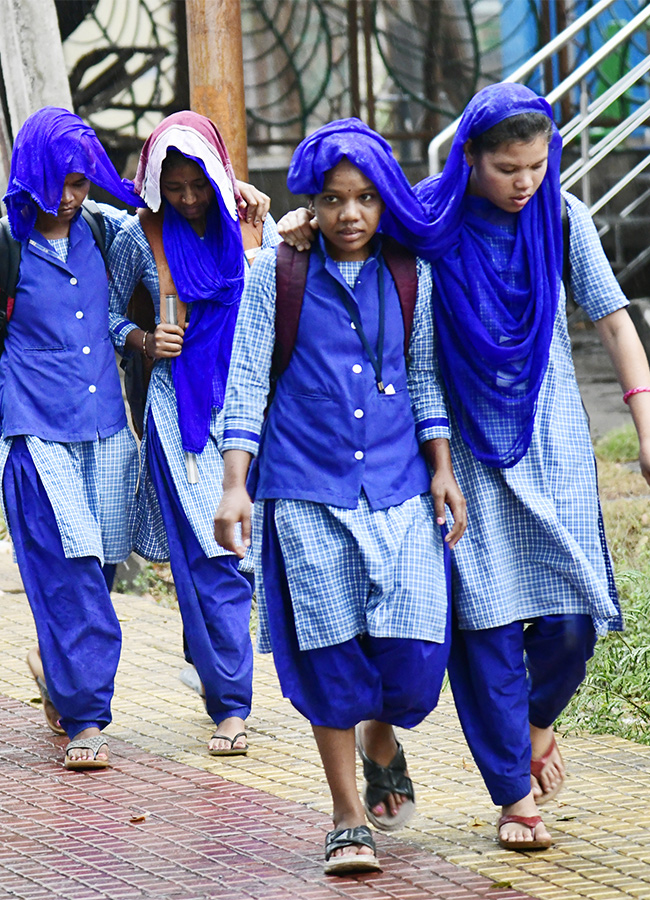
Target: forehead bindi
{"type": "Point", "coordinates": [346, 178]}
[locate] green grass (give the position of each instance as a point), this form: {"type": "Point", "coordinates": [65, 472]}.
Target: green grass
{"type": "Point", "coordinates": [155, 580]}
{"type": "Point", "coordinates": [615, 696]}
{"type": "Point", "coordinates": [620, 445]}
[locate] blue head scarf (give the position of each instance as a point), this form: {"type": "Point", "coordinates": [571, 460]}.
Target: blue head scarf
{"type": "Point", "coordinates": [208, 272]}
{"type": "Point", "coordinates": [494, 313]}
{"type": "Point", "coordinates": [404, 217]}
{"type": "Point", "coordinates": [51, 144]}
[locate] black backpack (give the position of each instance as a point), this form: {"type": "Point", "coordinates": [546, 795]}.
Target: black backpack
{"type": "Point", "coordinates": [10, 250]}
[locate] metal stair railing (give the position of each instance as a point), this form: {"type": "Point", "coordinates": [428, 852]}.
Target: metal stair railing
{"type": "Point", "coordinates": [523, 72]}
{"type": "Point", "coordinates": [579, 122]}
{"type": "Point", "coordinates": [581, 167]}
{"type": "Point", "coordinates": [578, 128]}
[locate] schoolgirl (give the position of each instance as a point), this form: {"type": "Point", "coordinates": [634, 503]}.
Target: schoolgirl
{"type": "Point", "coordinates": [186, 179]}
{"type": "Point", "coordinates": [67, 458]}
{"type": "Point", "coordinates": [533, 582]}
{"type": "Point", "coordinates": [348, 557]}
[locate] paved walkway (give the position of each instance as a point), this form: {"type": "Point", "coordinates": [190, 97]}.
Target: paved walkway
{"type": "Point", "coordinates": [170, 822]}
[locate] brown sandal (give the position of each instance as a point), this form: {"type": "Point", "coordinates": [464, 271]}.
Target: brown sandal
{"type": "Point", "coordinates": [94, 743]}
{"type": "Point", "coordinates": [530, 822]}
{"type": "Point", "coordinates": [536, 769]}
{"type": "Point", "coordinates": [49, 710]}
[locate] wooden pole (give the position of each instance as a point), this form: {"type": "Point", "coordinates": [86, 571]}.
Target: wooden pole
{"type": "Point", "coordinates": [353, 43]}
{"type": "Point", "coordinates": [216, 69]}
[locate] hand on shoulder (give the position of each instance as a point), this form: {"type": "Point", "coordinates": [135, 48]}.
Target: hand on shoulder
{"type": "Point", "coordinates": [298, 228]}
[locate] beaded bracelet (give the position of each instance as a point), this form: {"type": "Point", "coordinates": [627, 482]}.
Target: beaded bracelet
{"type": "Point", "coordinates": [637, 390]}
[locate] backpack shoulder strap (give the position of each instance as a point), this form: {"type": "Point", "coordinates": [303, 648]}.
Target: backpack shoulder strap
{"type": "Point", "coordinates": [290, 280]}
{"type": "Point", "coordinates": [402, 266]}
{"type": "Point", "coordinates": [10, 250]}
{"type": "Point", "coordinates": [95, 219]}
{"type": "Point", "coordinates": [152, 225]}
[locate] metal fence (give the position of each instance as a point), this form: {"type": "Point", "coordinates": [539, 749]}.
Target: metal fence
{"type": "Point", "coordinates": [407, 67]}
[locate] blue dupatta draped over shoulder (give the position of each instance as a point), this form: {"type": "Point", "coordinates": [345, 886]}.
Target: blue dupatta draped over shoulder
{"type": "Point", "coordinates": [494, 313]}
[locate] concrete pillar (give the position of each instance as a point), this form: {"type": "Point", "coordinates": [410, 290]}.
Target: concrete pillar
{"type": "Point", "coordinates": [216, 68]}
{"type": "Point", "coordinates": [32, 67]}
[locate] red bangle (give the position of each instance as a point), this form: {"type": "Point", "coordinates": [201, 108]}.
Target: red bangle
{"type": "Point", "coordinates": [639, 390]}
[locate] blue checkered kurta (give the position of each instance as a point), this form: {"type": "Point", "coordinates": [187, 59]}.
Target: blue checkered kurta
{"type": "Point", "coordinates": [90, 484]}
{"type": "Point", "coordinates": [534, 544]}
{"type": "Point", "coordinates": [131, 260]}
{"type": "Point", "coordinates": [349, 571]}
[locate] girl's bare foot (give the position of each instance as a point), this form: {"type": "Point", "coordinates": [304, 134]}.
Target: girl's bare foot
{"type": "Point", "coordinates": [36, 668]}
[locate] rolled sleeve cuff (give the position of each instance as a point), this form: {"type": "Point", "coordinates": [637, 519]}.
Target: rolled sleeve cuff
{"type": "Point", "coordinates": [120, 331]}
{"type": "Point", "coordinates": [428, 429]}
{"type": "Point", "coordinates": [241, 439]}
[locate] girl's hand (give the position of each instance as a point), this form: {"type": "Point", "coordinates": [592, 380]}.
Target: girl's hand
{"type": "Point", "coordinates": [235, 507]}
{"type": "Point", "coordinates": [254, 205]}
{"type": "Point", "coordinates": [445, 491]}
{"type": "Point", "coordinates": [444, 488]}
{"type": "Point", "coordinates": [167, 340]}
{"type": "Point", "coordinates": [298, 228]}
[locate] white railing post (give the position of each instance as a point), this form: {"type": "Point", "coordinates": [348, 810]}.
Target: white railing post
{"type": "Point", "coordinates": [521, 74]}
{"type": "Point", "coordinates": [584, 143]}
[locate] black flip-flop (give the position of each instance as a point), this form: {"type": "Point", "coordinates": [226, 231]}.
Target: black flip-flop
{"type": "Point", "coordinates": [232, 750]}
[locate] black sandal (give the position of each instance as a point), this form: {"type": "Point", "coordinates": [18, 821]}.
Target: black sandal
{"type": "Point", "coordinates": [232, 750]}
{"type": "Point", "coordinates": [361, 836]}
{"type": "Point", "coordinates": [382, 781]}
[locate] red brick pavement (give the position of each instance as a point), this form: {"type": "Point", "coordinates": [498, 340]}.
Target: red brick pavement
{"type": "Point", "coordinates": [68, 834]}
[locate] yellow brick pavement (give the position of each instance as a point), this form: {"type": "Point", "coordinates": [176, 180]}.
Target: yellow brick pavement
{"type": "Point", "coordinates": [601, 822]}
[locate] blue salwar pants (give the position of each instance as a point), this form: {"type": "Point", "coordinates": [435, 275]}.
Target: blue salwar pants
{"type": "Point", "coordinates": [78, 632]}
{"type": "Point", "coordinates": [214, 598]}
{"type": "Point", "coordinates": [507, 677]}
{"type": "Point", "coordinates": [394, 680]}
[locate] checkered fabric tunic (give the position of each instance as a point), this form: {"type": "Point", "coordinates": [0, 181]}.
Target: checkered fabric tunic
{"type": "Point", "coordinates": [131, 260]}
{"type": "Point", "coordinates": [342, 564]}
{"type": "Point", "coordinates": [534, 544]}
{"type": "Point", "coordinates": [90, 484]}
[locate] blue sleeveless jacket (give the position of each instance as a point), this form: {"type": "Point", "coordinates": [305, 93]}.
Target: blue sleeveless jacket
{"type": "Point", "coordinates": [58, 376]}
{"type": "Point", "coordinates": [330, 433]}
